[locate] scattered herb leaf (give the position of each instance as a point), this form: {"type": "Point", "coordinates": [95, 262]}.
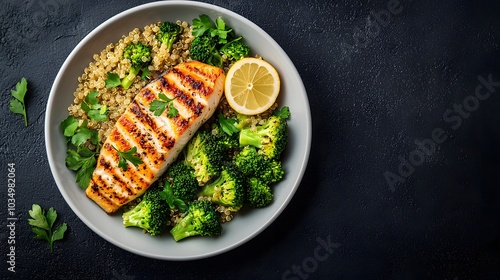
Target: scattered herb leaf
{"type": "Point", "coordinates": [202, 25]}
{"type": "Point", "coordinates": [159, 106]}
{"type": "Point", "coordinates": [112, 80]}
{"type": "Point", "coordinates": [83, 161]}
{"type": "Point", "coordinates": [283, 113]}
{"type": "Point", "coordinates": [42, 223]}
{"type": "Point", "coordinates": [128, 156]}
{"type": "Point", "coordinates": [17, 105]}
{"type": "Point", "coordinates": [228, 125]}
{"type": "Point", "coordinates": [94, 110]}
{"type": "Point", "coordinates": [145, 74]}
{"type": "Point", "coordinates": [172, 201]}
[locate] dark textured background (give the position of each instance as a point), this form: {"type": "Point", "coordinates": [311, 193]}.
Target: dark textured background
{"type": "Point", "coordinates": [373, 92]}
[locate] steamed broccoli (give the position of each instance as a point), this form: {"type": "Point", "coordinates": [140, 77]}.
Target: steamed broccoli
{"type": "Point", "coordinates": [204, 49]}
{"type": "Point", "coordinates": [200, 219]}
{"type": "Point", "coordinates": [235, 50]}
{"type": "Point", "coordinates": [259, 193]}
{"type": "Point", "coordinates": [228, 189]}
{"type": "Point", "coordinates": [227, 141]}
{"type": "Point", "coordinates": [270, 138]}
{"type": "Point", "coordinates": [184, 184]}
{"type": "Point", "coordinates": [139, 56]}
{"type": "Point", "coordinates": [253, 164]}
{"type": "Point", "coordinates": [150, 214]}
{"type": "Point", "coordinates": [169, 33]}
{"type": "Point", "coordinates": [204, 155]}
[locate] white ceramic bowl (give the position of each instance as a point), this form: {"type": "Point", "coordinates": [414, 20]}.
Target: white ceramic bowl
{"type": "Point", "coordinates": [243, 227]}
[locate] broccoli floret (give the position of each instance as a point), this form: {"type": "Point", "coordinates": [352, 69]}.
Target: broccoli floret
{"type": "Point", "coordinates": [184, 184]}
{"type": "Point", "coordinates": [204, 155]}
{"type": "Point", "coordinates": [250, 162]}
{"type": "Point", "coordinates": [259, 193]}
{"type": "Point", "coordinates": [228, 189]}
{"type": "Point", "coordinates": [228, 142]}
{"type": "Point", "coordinates": [169, 33]}
{"type": "Point", "coordinates": [270, 138]}
{"type": "Point", "coordinates": [274, 174]}
{"type": "Point", "coordinates": [235, 50]}
{"type": "Point", "coordinates": [204, 48]}
{"type": "Point", "coordinates": [150, 214]}
{"type": "Point", "coordinates": [253, 164]}
{"type": "Point", "coordinates": [200, 219]}
{"type": "Point", "coordinates": [139, 56]}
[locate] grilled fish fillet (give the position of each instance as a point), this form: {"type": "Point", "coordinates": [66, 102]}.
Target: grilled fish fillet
{"type": "Point", "coordinates": [197, 89]}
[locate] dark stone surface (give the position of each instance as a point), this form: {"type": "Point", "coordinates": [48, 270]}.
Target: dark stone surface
{"type": "Point", "coordinates": [375, 87]}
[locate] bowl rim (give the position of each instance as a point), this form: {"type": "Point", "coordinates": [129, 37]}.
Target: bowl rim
{"type": "Point", "coordinates": [97, 30]}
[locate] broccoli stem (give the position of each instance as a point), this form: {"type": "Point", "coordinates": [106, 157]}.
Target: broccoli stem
{"type": "Point", "coordinates": [183, 229]}
{"type": "Point", "coordinates": [209, 189]}
{"type": "Point", "coordinates": [129, 79]}
{"type": "Point", "coordinates": [249, 137]}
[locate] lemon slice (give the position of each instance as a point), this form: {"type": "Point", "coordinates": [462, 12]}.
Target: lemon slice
{"type": "Point", "coordinates": [252, 86]}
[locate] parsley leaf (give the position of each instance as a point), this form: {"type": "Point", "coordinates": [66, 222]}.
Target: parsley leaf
{"type": "Point", "coordinates": [112, 80]}
{"type": "Point", "coordinates": [83, 161]}
{"type": "Point", "coordinates": [283, 113]}
{"type": "Point", "coordinates": [128, 156]}
{"type": "Point", "coordinates": [168, 195]}
{"type": "Point", "coordinates": [78, 135]}
{"type": "Point", "coordinates": [159, 106]}
{"type": "Point", "coordinates": [201, 25]}
{"type": "Point", "coordinates": [94, 110]}
{"type": "Point", "coordinates": [228, 125]}
{"type": "Point", "coordinates": [17, 105]}
{"type": "Point", "coordinates": [145, 74]}
{"type": "Point", "coordinates": [42, 223]}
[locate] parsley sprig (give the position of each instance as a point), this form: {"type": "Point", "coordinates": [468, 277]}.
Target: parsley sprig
{"type": "Point", "coordinates": [17, 105]}
{"type": "Point", "coordinates": [94, 110]}
{"type": "Point", "coordinates": [112, 80]}
{"type": "Point", "coordinates": [79, 157]}
{"type": "Point", "coordinates": [42, 223]}
{"type": "Point", "coordinates": [125, 156]}
{"type": "Point", "coordinates": [218, 29]}
{"type": "Point", "coordinates": [159, 106]}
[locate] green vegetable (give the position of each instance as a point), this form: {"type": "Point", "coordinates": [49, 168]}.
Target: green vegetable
{"type": "Point", "coordinates": [139, 56]}
{"type": "Point", "coordinates": [159, 106]}
{"type": "Point", "coordinates": [125, 156]}
{"type": "Point", "coordinates": [184, 183]}
{"type": "Point", "coordinates": [204, 154]}
{"type": "Point", "coordinates": [42, 223]}
{"type": "Point", "coordinates": [254, 164]}
{"type": "Point", "coordinates": [200, 219]}
{"type": "Point", "coordinates": [150, 214]}
{"type": "Point", "coordinates": [94, 110]}
{"type": "Point", "coordinates": [173, 202]}
{"type": "Point", "coordinates": [201, 25]}
{"type": "Point", "coordinates": [228, 189]}
{"type": "Point", "coordinates": [83, 161]}
{"type": "Point", "coordinates": [169, 33]}
{"type": "Point", "coordinates": [204, 48]}
{"type": "Point", "coordinates": [270, 138]}
{"type": "Point", "coordinates": [259, 194]}
{"type": "Point", "coordinates": [235, 50]}
{"type": "Point", "coordinates": [213, 40]}
{"type": "Point", "coordinates": [112, 80]}
{"type": "Point", "coordinates": [228, 125]}
{"type": "Point", "coordinates": [17, 105]}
